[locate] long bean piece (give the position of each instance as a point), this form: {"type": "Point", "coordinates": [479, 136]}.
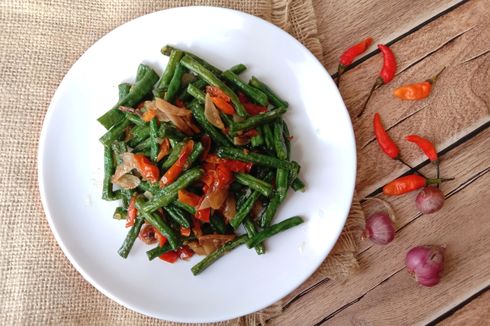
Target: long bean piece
{"type": "Point", "coordinates": [238, 69]}
{"type": "Point", "coordinates": [270, 210]}
{"type": "Point", "coordinates": [120, 214]}
{"type": "Point", "coordinates": [168, 73]}
{"type": "Point", "coordinates": [196, 93]}
{"type": "Point", "coordinates": [218, 253]}
{"type": "Point", "coordinates": [211, 79]}
{"type": "Point", "coordinates": [282, 175]}
{"type": "Point", "coordinates": [168, 194]}
{"type": "Point", "coordinates": [252, 92]}
{"type": "Point", "coordinates": [257, 120]}
{"type": "Point", "coordinates": [130, 238]}
{"type": "Point", "coordinates": [158, 251]}
{"type": "Point", "coordinates": [107, 193]}
{"type": "Point", "coordinates": [194, 155]}
{"type": "Point", "coordinates": [260, 159]}
{"type": "Point", "coordinates": [135, 119]}
{"type": "Point", "coordinates": [254, 183]}
{"type": "Point", "coordinates": [273, 98]}
{"type": "Point", "coordinates": [200, 83]}
{"type": "Point", "coordinates": [257, 140]}
{"type": "Point", "coordinates": [173, 156]}
{"type": "Point", "coordinates": [175, 83]}
{"type": "Point", "coordinates": [167, 50]}
{"type": "Point", "coordinates": [251, 229]}
{"type": "Point", "coordinates": [282, 183]}
{"type": "Point", "coordinates": [158, 224]}
{"type": "Point", "coordinates": [189, 209]}
{"type": "Point", "coordinates": [268, 136]}
{"type": "Point", "coordinates": [273, 230]}
{"type": "Point", "coordinates": [113, 116]}
{"type": "Point", "coordinates": [178, 215]}
{"type": "Point", "coordinates": [140, 89]}
{"type": "Point", "coordinates": [138, 134]}
{"type": "Point", "coordinates": [114, 133]}
{"type": "Point", "coordinates": [298, 185]}
{"type": "Point", "coordinates": [214, 133]}
{"type": "Point", "coordinates": [168, 130]}
{"type": "Point", "coordinates": [244, 210]}
{"type": "Point", "coordinates": [154, 145]}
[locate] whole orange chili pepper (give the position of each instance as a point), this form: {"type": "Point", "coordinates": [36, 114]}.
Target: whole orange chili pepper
{"type": "Point", "coordinates": [385, 75]}
{"type": "Point", "coordinates": [416, 91]}
{"type": "Point", "coordinates": [409, 183]}
{"type": "Point", "coordinates": [350, 54]}
{"type": "Point", "coordinates": [427, 147]}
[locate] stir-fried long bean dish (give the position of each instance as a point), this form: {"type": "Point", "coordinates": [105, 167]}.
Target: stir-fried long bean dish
{"type": "Point", "coordinates": [193, 155]}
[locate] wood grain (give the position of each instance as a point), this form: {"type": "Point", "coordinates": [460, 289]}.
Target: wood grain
{"type": "Point", "coordinates": [477, 312]}
{"type": "Point", "coordinates": [466, 269]}
{"type": "Point", "coordinates": [459, 103]}
{"type": "Point", "coordinates": [379, 263]}
{"type": "Point", "coordinates": [344, 23]}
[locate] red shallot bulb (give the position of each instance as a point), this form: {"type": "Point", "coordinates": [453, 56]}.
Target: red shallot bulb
{"type": "Point", "coordinates": [426, 264]}
{"type": "Point", "coordinates": [429, 200]}
{"type": "Point", "coordinates": [379, 228]}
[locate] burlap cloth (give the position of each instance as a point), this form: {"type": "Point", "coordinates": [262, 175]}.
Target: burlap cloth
{"type": "Point", "coordinates": [40, 40]}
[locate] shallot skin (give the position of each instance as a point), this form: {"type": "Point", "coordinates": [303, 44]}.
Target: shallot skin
{"type": "Point", "coordinates": [429, 200]}
{"type": "Point", "coordinates": [426, 264]}
{"type": "Point", "coordinates": [379, 228]}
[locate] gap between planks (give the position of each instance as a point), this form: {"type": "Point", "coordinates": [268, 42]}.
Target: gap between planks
{"type": "Point", "coordinates": [465, 314]}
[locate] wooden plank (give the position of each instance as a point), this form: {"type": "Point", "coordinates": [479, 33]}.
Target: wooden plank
{"type": "Point", "coordinates": [378, 263]}
{"type": "Point", "coordinates": [343, 23]}
{"type": "Point", "coordinates": [477, 312]}
{"type": "Point", "coordinates": [464, 228]}
{"type": "Point", "coordinates": [460, 41]}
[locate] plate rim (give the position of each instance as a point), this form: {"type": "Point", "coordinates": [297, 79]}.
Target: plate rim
{"type": "Point", "coordinates": [42, 148]}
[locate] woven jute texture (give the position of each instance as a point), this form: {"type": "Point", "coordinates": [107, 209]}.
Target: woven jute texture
{"type": "Point", "coordinates": [39, 41]}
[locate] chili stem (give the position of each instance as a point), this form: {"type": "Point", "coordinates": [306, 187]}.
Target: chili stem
{"type": "Point", "coordinates": [433, 79]}
{"type": "Point", "coordinates": [378, 83]}
{"type": "Point", "coordinates": [437, 171]}
{"type": "Point", "coordinates": [438, 181]}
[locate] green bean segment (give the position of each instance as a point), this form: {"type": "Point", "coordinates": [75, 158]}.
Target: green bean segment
{"type": "Point", "coordinates": [218, 253]}
{"type": "Point", "coordinates": [273, 230]}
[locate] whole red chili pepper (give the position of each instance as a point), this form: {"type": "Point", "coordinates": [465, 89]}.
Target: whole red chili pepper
{"type": "Point", "coordinates": [385, 75]}
{"type": "Point", "coordinates": [427, 147]}
{"type": "Point", "coordinates": [386, 143]}
{"type": "Point", "coordinates": [350, 54]}
{"type": "Point", "coordinates": [409, 183]}
{"type": "Point", "coordinates": [416, 91]}
{"type": "Point", "coordinates": [389, 64]}
{"type": "Point", "coordinates": [384, 140]}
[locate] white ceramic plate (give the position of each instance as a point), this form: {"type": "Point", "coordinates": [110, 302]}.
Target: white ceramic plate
{"type": "Point", "coordinates": [70, 167]}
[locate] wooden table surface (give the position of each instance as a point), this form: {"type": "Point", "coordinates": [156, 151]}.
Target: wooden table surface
{"type": "Point", "coordinates": [425, 36]}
